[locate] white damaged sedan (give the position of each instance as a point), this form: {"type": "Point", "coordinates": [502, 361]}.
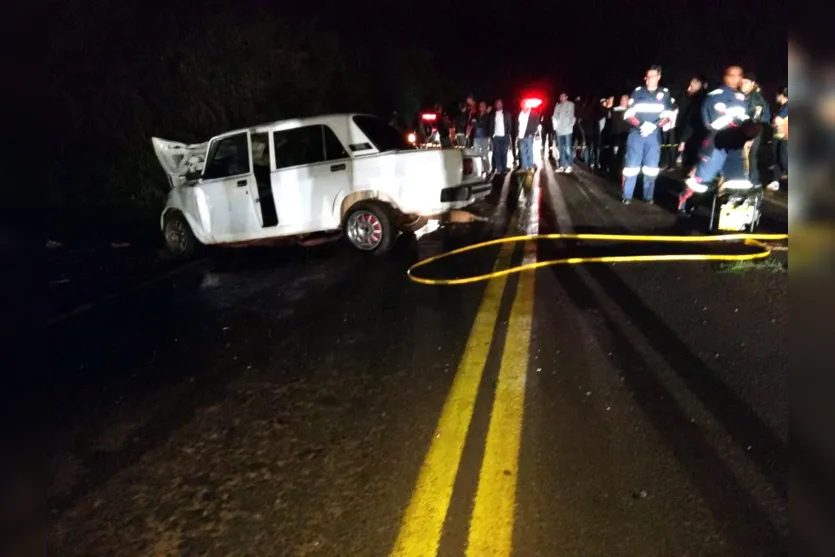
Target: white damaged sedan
{"type": "Point", "coordinates": [294, 179]}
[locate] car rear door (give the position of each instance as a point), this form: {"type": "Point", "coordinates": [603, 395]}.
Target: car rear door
{"type": "Point", "coordinates": [307, 179]}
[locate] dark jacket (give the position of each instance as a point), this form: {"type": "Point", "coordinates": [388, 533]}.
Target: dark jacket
{"type": "Point", "coordinates": [690, 125]}
{"type": "Point", "coordinates": [480, 124]}
{"type": "Point", "coordinates": [758, 110]}
{"type": "Point", "coordinates": [619, 125]}
{"type": "Point", "coordinates": [462, 119]}
{"type": "Point", "coordinates": [508, 123]}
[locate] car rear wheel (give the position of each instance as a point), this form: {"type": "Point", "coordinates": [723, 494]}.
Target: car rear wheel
{"type": "Point", "coordinates": [368, 227]}
{"type": "Point", "coordinates": [179, 239]}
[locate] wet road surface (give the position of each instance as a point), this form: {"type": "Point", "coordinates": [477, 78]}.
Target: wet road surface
{"type": "Point", "coordinates": [317, 402]}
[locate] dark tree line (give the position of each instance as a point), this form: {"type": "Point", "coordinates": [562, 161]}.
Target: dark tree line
{"type": "Point", "coordinates": [116, 75]}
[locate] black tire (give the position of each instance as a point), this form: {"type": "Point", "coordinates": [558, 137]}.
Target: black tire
{"type": "Point", "coordinates": [369, 227]}
{"type": "Point", "coordinates": [180, 241]}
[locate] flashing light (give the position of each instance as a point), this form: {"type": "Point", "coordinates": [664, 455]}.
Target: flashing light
{"type": "Point", "coordinates": [531, 103]}
{"type": "Point", "coordinates": [429, 117]}
{"type": "Point", "coordinates": [411, 138]}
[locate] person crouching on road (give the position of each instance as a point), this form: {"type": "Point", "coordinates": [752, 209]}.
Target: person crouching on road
{"type": "Point", "coordinates": [760, 114]}
{"type": "Point", "coordinates": [723, 113]}
{"type": "Point", "coordinates": [479, 127]}
{"type": "Point", "coordinates": [528, 123]}
{"type": "Point", "coordinates": [563, 121]}
{"type": "Point", "coordinates": [649, 110]}
{"type": "Point", "coordinates": [500, 130]}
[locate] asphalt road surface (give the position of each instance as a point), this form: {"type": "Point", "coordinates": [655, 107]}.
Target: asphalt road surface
{"type": "Point", "coordinates": [317, 402]}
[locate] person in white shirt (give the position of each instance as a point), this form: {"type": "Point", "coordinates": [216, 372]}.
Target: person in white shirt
{"type": "Point", "coordinates": [563, 121]}
{"type": "Point", "coordinates": [500, 129]}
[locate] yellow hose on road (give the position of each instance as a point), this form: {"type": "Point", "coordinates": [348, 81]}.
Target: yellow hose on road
{"type": "Point", "coordinates": [752, 240]}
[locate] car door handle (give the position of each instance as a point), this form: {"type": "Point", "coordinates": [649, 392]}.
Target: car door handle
{"type": "Point", "coordinates": [242, 183]}
{"type": "Point", "coordinates": [338, 167]}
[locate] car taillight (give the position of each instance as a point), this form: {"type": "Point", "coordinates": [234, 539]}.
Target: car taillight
{"type": "Point", "coordinates": [468, 166]}
{"type": "Point", "coordinates": [428, 117]}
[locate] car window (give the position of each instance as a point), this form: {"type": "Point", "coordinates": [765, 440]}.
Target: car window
{"type": "Point", "coordinates": [381, 134]}
{"type": "Point", "coordinates": [229, 157]}
{"type": "Point", "coordinates": [333, 147]}
{"type": "Point", "coordinates": [298, 146]}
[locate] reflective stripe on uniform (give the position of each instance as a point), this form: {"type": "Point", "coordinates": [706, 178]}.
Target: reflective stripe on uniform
{"type": "Point", "coordinates": [630, 171]}
{"type": "Point", "coordinates": [738, 185]}
{"type": "Point", "coordinates": [654, 108]}
{"type": "Point", "coordinates": [721, 122]}
{"type": "Point", "coordinates": [649, 171]}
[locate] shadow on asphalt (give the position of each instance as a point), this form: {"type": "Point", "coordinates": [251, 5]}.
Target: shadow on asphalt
{"type": "Point", "coordinates": [165, 343]}
{"type": "Point", "coordinates": [730, 503]}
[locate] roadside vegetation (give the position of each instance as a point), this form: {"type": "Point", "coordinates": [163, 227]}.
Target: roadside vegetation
{"type": "Point", "coordinates": [119, 76]}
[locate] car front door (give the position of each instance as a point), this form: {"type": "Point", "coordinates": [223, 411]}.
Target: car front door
{"type": "Point", "coordinates": [310, 172]}
{"type": "Point", "coordinates": [230, 190]}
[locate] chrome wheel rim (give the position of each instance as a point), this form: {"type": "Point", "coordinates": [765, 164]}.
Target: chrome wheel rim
{"type": "Point", "coordinates": [176, 236]}
{"type": "Point", "coordinates": [365, 230]}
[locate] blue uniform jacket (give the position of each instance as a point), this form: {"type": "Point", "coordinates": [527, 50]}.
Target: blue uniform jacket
{"type": "Point", "coordinates": [723, 107]}
{"type": "Point", "coordinates": [649, 106]}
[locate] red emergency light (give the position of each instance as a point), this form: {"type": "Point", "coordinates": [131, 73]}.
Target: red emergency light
{"type": "Point", "coordinates": [429, 117]}
{"type": "Point", "coordinates": [531, 103]}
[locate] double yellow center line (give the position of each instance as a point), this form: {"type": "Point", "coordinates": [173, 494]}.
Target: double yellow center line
{"type": "Point", "coordinates": [491, 524]}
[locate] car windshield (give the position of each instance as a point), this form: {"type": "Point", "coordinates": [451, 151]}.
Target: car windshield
{"type": "Point", "coordinates": [383, 136]}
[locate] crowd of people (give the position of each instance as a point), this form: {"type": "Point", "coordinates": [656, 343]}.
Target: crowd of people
{"type": "Point", "coordinates": [712, 132]}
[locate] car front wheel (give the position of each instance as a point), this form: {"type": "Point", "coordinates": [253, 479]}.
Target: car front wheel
{"type": "Point", "coordinates": [368, 227]}
{"type": "Point", "coordinates": [179, 239]}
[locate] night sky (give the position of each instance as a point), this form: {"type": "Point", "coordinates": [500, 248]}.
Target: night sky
{"type": "Point", "coordinates": [588, 47]}
{"type": "Point", "coordinates": [489, 47]}
{"type": "Point", "coordinates": [109, 75]}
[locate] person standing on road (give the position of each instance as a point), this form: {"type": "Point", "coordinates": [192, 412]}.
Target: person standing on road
{"type": "Point", "coordinates": [620, 131]}
{"type": "Point", "coordinates": [781, 134]}
{"type": "Point", "coordinates": [462, 124]}
{"type": "Point", "coordinates": [500, 130]}
{"type": "Point", "coordinates": [563, 121]}
{"type": "Point", "coordinates": [669, 148]}
{"type": "Point", "coordinates": [649, 110]}
{"type": "Point", "coordinates": [608, 105]}
{"type": "Point", "coordinates": [692, 131]}
{"type": "Point", "coordinates": [760, 114]}
{"type": "Point", "coordinates": [442, 124]}
{"type": "Point", "coordinates": [480, 131]}
{"type": "Point", "coordinates": [723, 112]}
{"type": "Point", "coordinates": [528, 124]}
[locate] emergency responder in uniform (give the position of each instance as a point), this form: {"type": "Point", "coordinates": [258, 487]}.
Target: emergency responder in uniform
{"type": "Point", "coordinates": [724, 113]}
{"type": "Point", "coordinates": [649, 110]}
{"type": "Point", "coordinates": [760, 114]}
